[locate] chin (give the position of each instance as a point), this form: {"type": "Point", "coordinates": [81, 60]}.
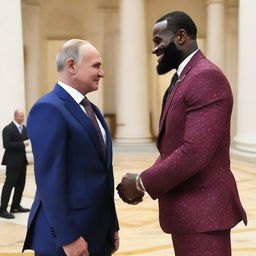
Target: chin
{"type": "Point", "coordinates": [95, 87]}
{"type": "Point", "coordinates": [163, 69]}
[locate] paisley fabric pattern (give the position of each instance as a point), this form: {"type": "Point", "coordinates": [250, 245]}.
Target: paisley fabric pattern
{"type": "Point", "coordinates": [192, 178]}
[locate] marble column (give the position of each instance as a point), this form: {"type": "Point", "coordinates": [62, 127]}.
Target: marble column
{"type": "Point", "coordinates": [11, 66]}
{"type": "Point", "coordinates": [132, 86]}
{"type": "Point", "coordinates": [215, 31]}
{"type": "Point", "coordinates": [231, 54]}
{"type": "Point", "coordinates": [31, 38]}
{"type": "Point", "coordinates": [97, 39]}
{"type": "Point", "coordinates": [245, 139]}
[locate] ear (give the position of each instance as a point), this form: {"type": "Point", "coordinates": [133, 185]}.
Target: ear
{"type": "Point", "coordinates": [182, 36]}
{"type": "Point", "coordinates": [70, 64]}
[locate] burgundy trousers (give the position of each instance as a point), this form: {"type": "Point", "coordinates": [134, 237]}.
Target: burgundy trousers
{"type": "Point", "coordinates": [215, 243]}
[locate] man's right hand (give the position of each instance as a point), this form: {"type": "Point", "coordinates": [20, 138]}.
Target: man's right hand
{"type": "Point", "coordinates": [77, 248]}
{"type": "Point", "coordinates": [26, 143]}
{"type": "Point", "coordinates": [128, 191]}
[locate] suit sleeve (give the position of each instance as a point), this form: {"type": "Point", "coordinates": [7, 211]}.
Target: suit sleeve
{"type": "Point", "coordinates": [8, 143]}
{"type": "Point", "coordinates": [25, 132]}
{"type": "Point", "coordinates": [48, 133]}
{"type": "Point", "coordinates": [208, 109]}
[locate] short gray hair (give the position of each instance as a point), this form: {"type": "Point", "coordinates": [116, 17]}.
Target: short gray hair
{"type": "Point", "coordinates": [70, 50]}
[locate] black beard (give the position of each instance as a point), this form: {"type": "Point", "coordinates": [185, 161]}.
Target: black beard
{"type": "Point", "coordinates": [170, 59]}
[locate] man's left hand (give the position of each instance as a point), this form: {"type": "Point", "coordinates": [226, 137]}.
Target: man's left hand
{"type": "Point", "coordinates": [128, 191]}
{"type": "Point", "coordinates": [116, 242]}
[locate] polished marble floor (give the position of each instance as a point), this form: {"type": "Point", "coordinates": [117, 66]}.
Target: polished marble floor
{"type": "Point", "coordinates": [140, 232]}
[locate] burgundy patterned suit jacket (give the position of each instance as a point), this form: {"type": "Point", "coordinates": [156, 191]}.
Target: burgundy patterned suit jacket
{"type": "Point", "coordinates": [191, 178]}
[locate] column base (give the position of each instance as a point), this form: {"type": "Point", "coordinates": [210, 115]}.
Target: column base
{"type": "Point", "coordinates": [244, 144]}
{"type": "Point", "coordinates": [244, 156]}
{"type": "Point", "coordinates": [135, 147]}
{"type": "Point", "coordinates": [133, 140]}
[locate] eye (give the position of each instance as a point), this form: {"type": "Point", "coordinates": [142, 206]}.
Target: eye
{"type": "Point", "coordinates": [157, 41]}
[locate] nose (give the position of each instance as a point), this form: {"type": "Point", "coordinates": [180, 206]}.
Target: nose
{"type": "Point", "coordinates": [154, 50]}
{"type": "Point", "coordinates": [101, 73]}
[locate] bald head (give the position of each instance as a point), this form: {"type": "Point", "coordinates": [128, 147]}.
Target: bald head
{"type": "Point", "coordinates": [80, 65]}
{"type": "Point", "coordinates": [70, 50]}
{"type": "Point", "coordinates": [19, 115]}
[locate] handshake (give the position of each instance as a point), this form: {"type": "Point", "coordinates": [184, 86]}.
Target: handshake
{"type": "Point", "coordinates": [130, 189]}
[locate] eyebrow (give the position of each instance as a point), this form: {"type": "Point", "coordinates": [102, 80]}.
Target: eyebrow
{"type": "Point", "coordinates": [97, 63]}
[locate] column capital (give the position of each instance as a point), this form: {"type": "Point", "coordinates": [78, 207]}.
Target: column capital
{"type": "Point", "coordinates": [24, 4]}
{"type": "Point", "coordinates": [232, 3]}
{"type": "Point", "coordinates": [207, 2]}
{"type": "Point", "coordinates": [215, 32]}
{"type": "Point", "coordinates": [232, 10]}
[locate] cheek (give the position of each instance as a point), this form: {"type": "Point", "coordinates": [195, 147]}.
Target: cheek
{"type": "Point", "coordinates": [94, 74]}
{"type": "Point", "coordinates": [84, 75]}
{"type": "Point", "coordinates": [162, 46]}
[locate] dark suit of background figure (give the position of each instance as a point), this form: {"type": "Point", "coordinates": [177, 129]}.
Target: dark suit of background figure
{"type": "Point", "coordinates": [74, 180]}
{"type": "Point", "coordinates": [15, 160]}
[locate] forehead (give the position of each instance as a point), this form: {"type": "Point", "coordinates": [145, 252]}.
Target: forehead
{"type": "Point", "coordinates": [90, 53]}
{"type": "Point", "coordinates": [160, 27]}
{"type": "Point", "coordinates": [19, 113]}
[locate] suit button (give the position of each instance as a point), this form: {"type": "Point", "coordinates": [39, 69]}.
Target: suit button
{"type": "Point", "coordinates": [53, 232]}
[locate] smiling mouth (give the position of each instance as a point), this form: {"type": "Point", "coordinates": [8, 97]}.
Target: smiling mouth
{"type": "Point", "coordinates": [160, 57]}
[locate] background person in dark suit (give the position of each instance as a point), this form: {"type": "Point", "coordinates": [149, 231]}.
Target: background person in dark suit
{"type": "Point", "coordinates": [197, 193]}
{"type": "Point", "coordinates": [15, 140]}
{"type": "Point", "coordinates": [74, 211]}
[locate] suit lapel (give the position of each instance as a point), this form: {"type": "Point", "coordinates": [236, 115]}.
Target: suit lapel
{"type": "Point", "coordinates": [74, 108]}
{"type": "Point", "coordinates": [15, 128]}
{"type": "Point", "coordinates": [167, 105]}
{"type": "Point", "coordinates": [198, 55]}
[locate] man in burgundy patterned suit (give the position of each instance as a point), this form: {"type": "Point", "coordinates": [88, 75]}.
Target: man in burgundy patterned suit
{"type": "Point", "coordinates": [191, 178]}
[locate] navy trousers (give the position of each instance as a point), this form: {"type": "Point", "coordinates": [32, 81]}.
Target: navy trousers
{"type": "Point", "coordinates": [106, 253]}
{"type": "Point", "coordinates": [40, 254]}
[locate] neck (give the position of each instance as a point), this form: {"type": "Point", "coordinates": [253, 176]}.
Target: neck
{"type": "Point", "coordinates": [68, 81]}
{"type": "Point", "coordinates": [17, 121]}
{"type": "Point", "coordinates": [190, 49]}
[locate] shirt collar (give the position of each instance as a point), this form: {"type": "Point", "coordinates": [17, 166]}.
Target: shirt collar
{"type": "Point", "coordinates": [76, 95]}
{"type": "Point", "coordinates": [17, 124]}
{"type": "Point", "coordinates": [185, 62]}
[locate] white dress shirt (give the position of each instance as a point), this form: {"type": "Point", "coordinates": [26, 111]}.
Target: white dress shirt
{"type": "Point", "coordinates": [19, 126]}
{"type": "Point", "coordinates": [78, 97]}
{"type": "Point", "coordinates": [185, 62]}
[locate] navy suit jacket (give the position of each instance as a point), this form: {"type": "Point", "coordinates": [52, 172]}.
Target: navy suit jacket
{"type": "Point", "coordinates": [75, 186]}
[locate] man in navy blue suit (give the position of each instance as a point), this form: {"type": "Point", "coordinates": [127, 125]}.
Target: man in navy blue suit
{"type": "Point", "coordinates": [74, 211]}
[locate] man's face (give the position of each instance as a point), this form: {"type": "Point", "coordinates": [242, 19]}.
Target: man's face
{"type": "Point", "coordinates": [165, 48]}
{"type": "Point", "coordinates": [89, 70]}
{"type": "Point", "coordinates": [19, 117]}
